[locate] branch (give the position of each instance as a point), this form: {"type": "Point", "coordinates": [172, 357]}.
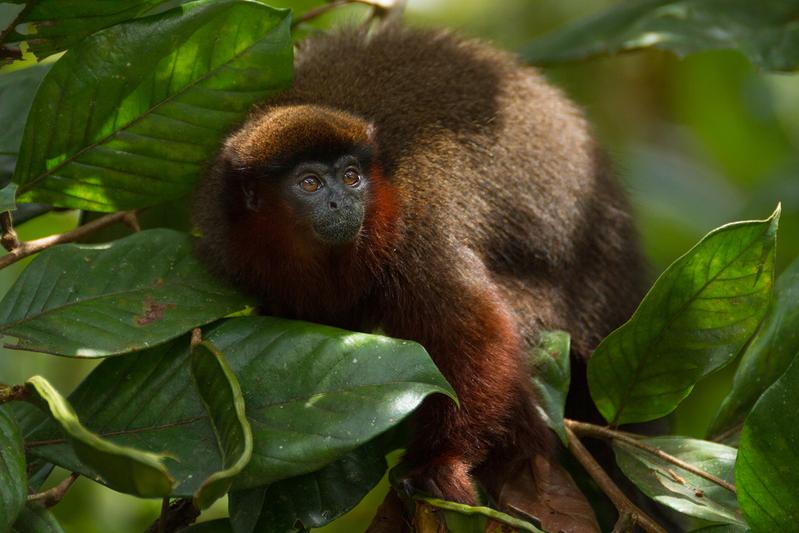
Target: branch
{"type": "Point", "coordinates": [10, 53]}
{"type": "Point", "coordinates": [9, 238]}
{"type": "Point", "coordinates": [622, 503]}
{"type": "Point", "coordinates": [11, 393]}
{"type": "Point", "coordinates": [605, 433]}
{"type": "Point", "coordinates": [383, 6]}
{"type": "Point", "coordinates": [24, 249]}
{"type": "Point", "coordinates": [54, 495]}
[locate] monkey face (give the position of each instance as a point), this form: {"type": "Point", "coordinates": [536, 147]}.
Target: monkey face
{"type": "Point", "coordinates": [329, 196]}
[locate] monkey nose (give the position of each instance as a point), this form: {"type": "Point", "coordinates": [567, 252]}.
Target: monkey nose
{"type": "Point", "coordinates": [333, 205]}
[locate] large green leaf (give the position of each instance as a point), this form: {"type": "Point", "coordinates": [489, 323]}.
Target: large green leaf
{"type": "Point", "coordinates": [313, 394]}
{"type": "Point", "coordinates": [13, 478]}
{"type": "Point", "coordinates": [129, 117]}
{"type": "Point", "coordinates": [310, 500]}
{"type": "Point", "coordinates": [17, 89]}
{"type": "Point", "coordinates": [767, 356]}
{"type": "Point", "coordinates": [54, 25]}
{"type": "Point", "coordinates": [767, 31]}
{"type": "Point", "coordinates": [679, 489]}
{"type": "Point", "coordinates": [122, 468]}
{"type": "Point", "coordinates": [36, 519]}
{"type": "Point", "coordinates": [551, 377]}
{"type": "Point", "coordinates": [221, 395]}
{"type": "Point", "coordinates": [767, 469]}
{"type": "Point", "coordinates": [100, 300]}
{"type": "Point", "coordinates": [694, 320]}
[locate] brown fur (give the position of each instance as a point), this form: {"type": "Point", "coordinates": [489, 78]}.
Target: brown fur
{"type": "Point", "coordinates": [493, 217]}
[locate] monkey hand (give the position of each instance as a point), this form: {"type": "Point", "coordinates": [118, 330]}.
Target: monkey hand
{"type": "Point", "coordinates": [446, 478]}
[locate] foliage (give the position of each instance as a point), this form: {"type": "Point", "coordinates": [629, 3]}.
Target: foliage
{"type": "Point", "coordinates": [197, 400]}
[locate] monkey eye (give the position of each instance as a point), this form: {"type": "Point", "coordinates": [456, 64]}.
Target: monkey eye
{"type": "Point", "coordinates": [310, 184]}
{"type": "Point", "coordinates": [351, 177]}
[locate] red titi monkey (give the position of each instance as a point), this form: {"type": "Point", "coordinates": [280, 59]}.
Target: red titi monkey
{"type": "Point", "coordinates": [438, 189]}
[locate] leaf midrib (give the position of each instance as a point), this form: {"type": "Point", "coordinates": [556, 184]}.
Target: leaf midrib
{"type": "Point", "coordinates": [670, 321]}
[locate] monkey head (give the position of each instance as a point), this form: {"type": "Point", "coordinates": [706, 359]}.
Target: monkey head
{"type": "Point", "coordinates": [306, 167]}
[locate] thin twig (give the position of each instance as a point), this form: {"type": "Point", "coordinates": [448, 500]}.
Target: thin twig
{"type": "Point", "coordinates": [31, 247]}
{"type": "Point", "coordinates": [164, 512]}
{"type": "Point", "coordinates": [622, 503]}
{"type": "Point", "coordinates": [727, 433]}
{"type": "Point", "coordinates": [382, 5]}
{"type": "Point", "coordinates": [605, 433]}
{"type": "Point", "coordinates": [10, 53]}
{"type": "Point", "coordinates": [131, 220]}
{"type": "Point", "coordinates": [54, 495]}
{"type": "Point", "coordinates": [625, 523]}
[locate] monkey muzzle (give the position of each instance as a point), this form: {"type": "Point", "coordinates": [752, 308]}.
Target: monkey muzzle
{"type": "Point", "coordinates": [339, 223]}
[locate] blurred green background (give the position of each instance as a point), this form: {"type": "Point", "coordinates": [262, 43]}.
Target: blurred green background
{"type": "Point", "coordinates": [699, 141]}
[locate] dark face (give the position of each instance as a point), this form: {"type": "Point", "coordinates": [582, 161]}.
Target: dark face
{"type": "Point", "coordinates": [330, 196]}
{"type": "Point", "coordinates": [327, 195]}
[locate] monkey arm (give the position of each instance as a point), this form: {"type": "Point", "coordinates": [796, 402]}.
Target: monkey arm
{"type": "Point", "coordinates": [475, 343]}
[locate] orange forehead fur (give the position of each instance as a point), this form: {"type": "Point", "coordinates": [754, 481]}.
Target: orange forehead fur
{"type": "Point", "coordinates": [298, 127]}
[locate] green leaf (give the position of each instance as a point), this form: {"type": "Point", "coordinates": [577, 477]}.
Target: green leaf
{"type": "Point", "coordinates": [13, 477]}
{"type": "Point", "coordinates": [223, 400]}
{"type": "Point", "coordinates": [17, 89]}
{"type": "Point", "coordinates": [7, 195]}
{"type": "Point", "coordinates": [220, 525]}
{"type": "Point", "coordinates": [767, 469]}
{"type": "Point", "coordinates": [462, 518]}
{"type": "Point", "coordinates": [36, 519]}
{"type": "Point", "coordinates": [551, 377]}
{"type": "Point", "coordinates": [55, 25]}
{"type": "Point", "coordinates": [766, 31]}
{"type": "Point", "coordinates": [767, 356]}
{"type": "Point", "coordinates": [679, 489]}
{"type": "Point", "coordinates": [130, 116]}
{"type": "Point", "coordinates": [313, 394]}
{"type": "Point", "coordinates": [122, 468]}
{"type": "Point", "coordinates": [699, 314]}
{"type": "Point", "coordinates": [310, 500]}
{"type": "Point", "coordinates": [100, 300]}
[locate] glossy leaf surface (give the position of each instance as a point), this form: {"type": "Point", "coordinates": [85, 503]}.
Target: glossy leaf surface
{"type": "Point", "coordinates": [313, 394]}
{"type": "Point", "coordinates": [767, 356]}
{"type": "Point", "coordinates": [122, 468]}
{"type": "Point", "coordinates": [311, 500]}
{"type": "Point", "coordinates": [36, 519]}
{"type": "Point", "coordinates": [100, 300]}
{"type": "Point", "coordinates": [551, 377]}
{"type": "Point", "coordinates": [221, 395]}
{"type": "Point", "coordinates": [54, 25]}
{"type": "Point", "coordinates": [765, 31]}
{"type": "Point", "coordinates": [698, 315]}
{"type": "Point", "coordinates": [767, 469]}
{"type": "Point", "coordinates": [13, 477]}
{"type": "Point", "coordinates": [129, 117]}
{"type": "Point", "coordinates": [679, 489]}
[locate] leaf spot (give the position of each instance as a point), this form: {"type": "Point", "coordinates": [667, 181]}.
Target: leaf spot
{"type": "Point", "coordinates": [152, 311]}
